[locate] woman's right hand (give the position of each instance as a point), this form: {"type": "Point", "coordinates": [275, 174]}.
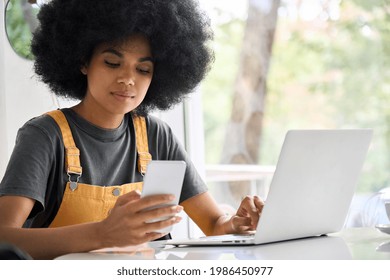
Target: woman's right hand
{"type": "Point", "coordinates": [127, 222]}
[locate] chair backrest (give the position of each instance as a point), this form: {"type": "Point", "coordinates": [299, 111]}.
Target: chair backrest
{"type": "Point", "coordinates": [11, 252]}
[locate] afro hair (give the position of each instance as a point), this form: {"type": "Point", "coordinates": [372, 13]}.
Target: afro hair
{"type": "Point", "coordinates": [178, 31]}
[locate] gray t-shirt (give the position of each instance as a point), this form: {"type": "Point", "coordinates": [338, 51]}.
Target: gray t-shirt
{"type": "Point", "coordinates": [108, 157]}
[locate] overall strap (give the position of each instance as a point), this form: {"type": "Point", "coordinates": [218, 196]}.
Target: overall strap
{"type": "Point", "coordinates": [72, 153]}
{"type": "Point", "coordinates": [141, 134]}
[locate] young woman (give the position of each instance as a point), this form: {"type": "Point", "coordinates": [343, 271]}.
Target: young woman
{"type": "Point", "coordinates": [73, 181]}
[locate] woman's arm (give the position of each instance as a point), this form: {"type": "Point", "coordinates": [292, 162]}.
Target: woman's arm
{"type": "Point", "coordinates": [206, 213]}
{"type": "Point", "coordinates": [42, 243]}
{"type": "Point", "coordinates": [123, 227]}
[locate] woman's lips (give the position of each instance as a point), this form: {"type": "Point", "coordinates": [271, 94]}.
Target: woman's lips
{"type": "Point", "coordinates": [123, 94]}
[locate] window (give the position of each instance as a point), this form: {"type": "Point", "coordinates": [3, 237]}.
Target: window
{"type": "Point", "coordinates": [329, 68]}
{"type": "Point", "coordinates": [21, 21]}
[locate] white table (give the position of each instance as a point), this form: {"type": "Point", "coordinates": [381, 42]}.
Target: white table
{"type": "Point", "coordinates": [352, 243]}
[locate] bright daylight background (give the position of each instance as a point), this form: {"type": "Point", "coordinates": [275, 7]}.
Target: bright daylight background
{"type": "Point", "coordinates": [330, 68]}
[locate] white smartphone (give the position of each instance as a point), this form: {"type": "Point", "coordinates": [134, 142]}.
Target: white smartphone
{"type": "Point", "coordinates": [164, 177]}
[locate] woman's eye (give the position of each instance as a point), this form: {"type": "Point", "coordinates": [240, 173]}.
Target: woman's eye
{"type": "Point", "coordinates": [111, 64]}
{"type": "Point", "coordinates": [144, 70]}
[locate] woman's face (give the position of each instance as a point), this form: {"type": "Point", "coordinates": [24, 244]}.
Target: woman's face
{"type": "Point", "coordinates": [119, 76]}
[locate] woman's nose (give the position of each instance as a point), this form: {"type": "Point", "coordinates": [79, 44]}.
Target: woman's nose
{"type": "Point", "coordinates": [126, 78]}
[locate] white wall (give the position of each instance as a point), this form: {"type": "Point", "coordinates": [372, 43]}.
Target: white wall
{"type": "Point", "coordinates": [22, 96]}
{"type": "Point", "coordinates": [3, 128]}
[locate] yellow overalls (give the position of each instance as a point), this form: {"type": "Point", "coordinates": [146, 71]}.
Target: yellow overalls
{"type": "Point", "coordinates": [83, 203]}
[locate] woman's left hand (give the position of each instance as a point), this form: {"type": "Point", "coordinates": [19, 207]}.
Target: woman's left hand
{"type": "Point", "coordinates": [247, 215]}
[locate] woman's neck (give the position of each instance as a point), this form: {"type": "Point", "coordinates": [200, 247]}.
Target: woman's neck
{"type": "Point", "coordinates": [100, 118]}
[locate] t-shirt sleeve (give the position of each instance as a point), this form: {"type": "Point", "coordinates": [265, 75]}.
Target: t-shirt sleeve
{"type": "Point", "coordinates": [29, 166]}
{"type": "Point", "coordinates": [164, 145]}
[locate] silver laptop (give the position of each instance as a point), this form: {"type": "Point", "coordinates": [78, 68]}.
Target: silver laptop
{"type": "Point", "coordinates": [311, 190]}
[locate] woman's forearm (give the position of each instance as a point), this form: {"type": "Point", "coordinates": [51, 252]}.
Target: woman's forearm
{"type": "Point", "coordinates": [49, 243]}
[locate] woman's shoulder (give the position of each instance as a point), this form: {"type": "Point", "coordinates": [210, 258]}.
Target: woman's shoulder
{"type": "Point", "coordinates": [154, 120]}
{"type": "Point", "coordinates": [156, 124]}
{"type": "Point", "coordinates": [41, 126]}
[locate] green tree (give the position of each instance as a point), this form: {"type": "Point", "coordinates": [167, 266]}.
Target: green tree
{"type": "Point", "coordinates": [335, 75]}
{"type": "Point", "coordinates": [21, 21]}
{"type": "Point", "coordinates": [329, 71]}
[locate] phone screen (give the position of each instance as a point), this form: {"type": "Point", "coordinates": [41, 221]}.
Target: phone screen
{"type": "Point", "coordinates": [164, 177]}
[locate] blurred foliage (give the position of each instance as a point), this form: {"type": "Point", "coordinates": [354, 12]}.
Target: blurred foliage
{"type": "Point", "coordinates": [325, 73]}
{"type": "Point", "coordinates": [20, 19]}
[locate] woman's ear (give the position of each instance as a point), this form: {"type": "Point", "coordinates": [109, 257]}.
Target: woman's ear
{"type": "Point", "coordinates": [83, 70]}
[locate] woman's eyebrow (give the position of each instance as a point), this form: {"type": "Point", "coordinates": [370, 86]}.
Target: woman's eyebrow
{"type": "Point", "coordinates": [113, 51]}
{"type": "Point", "coordinates": [120, 55]}
{"type": "Point", "coordinates": [148, 58]}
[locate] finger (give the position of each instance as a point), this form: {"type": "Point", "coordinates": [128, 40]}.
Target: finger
{"type": "Point", "coordinates": [251, 209]}
{"type": "Point", "coordinates": [156, 213]}
{"type": "Point", "coordinates": [153, 227]}
{"type": "Point", "coordinates": [238, 222]}
{"type": "Point", "coordinates": [259, 203]}
{"type": "Point", "coordinates": [146, 237]}
{"type": "Point", "coordinates": [128, 197]}
{"type": "Point", "coordinates": [244, 229]}
{"type": "Point", "coordinates": [150, 201]}
{"type": "Point", "coordinates": [248, 204]}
